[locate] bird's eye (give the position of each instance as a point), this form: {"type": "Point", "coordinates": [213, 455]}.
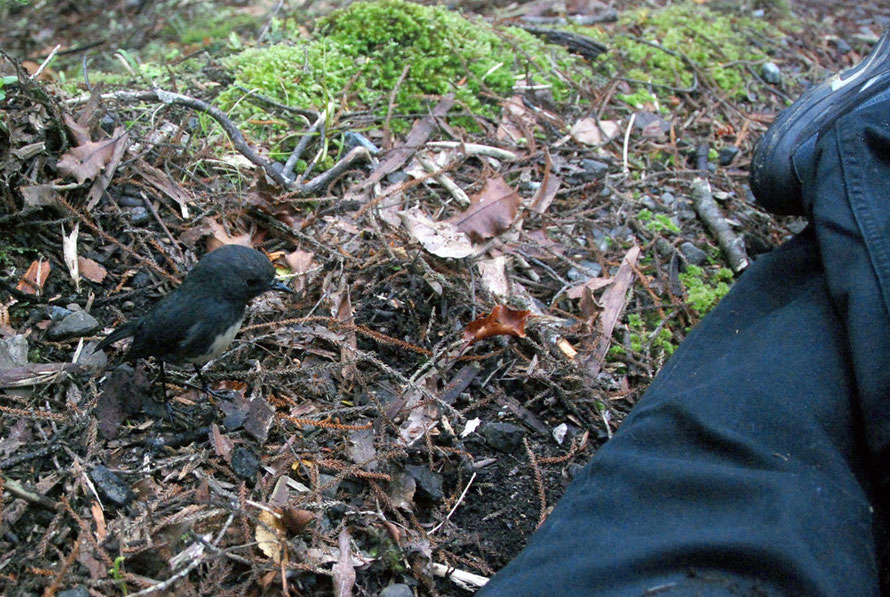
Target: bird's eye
{"type": "Point", "coordinates": [253, 281]}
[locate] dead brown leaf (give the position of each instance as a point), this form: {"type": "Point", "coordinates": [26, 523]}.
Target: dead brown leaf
{"type": "Point", "coordinates": [344, 573]}
{"type": "Point", "coordinates": [269, 535]}
{"type": "Point", "coordinates": [591, 131]}
{"type": "Point", "coordinates": [491, 211]}
{"type": "Point", "coordinates": [502, 321]}
{"type": "Point", "coordinates": [34, 279]}
{"type": "Point", "coordinates": [220, 236]}
{"type": "Point", "coordinates": [91, 270]}
{"type": "Point", "coordinates": [88, 158]}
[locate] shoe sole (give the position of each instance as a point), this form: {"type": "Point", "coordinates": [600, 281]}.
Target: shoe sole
{"type": "Point", "coordinates": [772, 177]}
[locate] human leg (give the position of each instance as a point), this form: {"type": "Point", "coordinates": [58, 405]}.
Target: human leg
{"type": "Point", "coordinates": [738, 471]}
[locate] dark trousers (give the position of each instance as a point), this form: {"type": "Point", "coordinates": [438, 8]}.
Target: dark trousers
{"type": "Point", "coordinates": [757, 460]}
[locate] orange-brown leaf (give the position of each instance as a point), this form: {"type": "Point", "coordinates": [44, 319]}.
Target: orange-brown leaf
{"type": "Point", "coordinates": [34, 279]}
{"type": "Point", "coordinates": [490, 212]}
{"type": "Point", "coordinates": [502, 321]}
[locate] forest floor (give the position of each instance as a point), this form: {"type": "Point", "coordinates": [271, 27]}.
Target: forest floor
{"type": "Point", "coordinates": [478, 304]}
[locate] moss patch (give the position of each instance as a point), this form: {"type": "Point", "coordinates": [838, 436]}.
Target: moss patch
{"type": "Point", "coordinates": [716, 42]}
{"type": "Point", "coordinates": [361, 52]}
{"type": "Point", "coordinates": [705, 289]}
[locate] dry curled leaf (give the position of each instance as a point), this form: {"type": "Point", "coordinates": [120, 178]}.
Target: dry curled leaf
{"type": "Point", "coordinates": [269, 535]}
{"type": "Point", "coordinates": [502, 321]}
{"type": "Point", "coordinates": [87, 159]}
{"type": "Point", "coordinates": [34, 279]}
{"type": "Point", "coordinates": [491, 211]}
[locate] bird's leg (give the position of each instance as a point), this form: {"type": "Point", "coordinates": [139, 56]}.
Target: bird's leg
{"type": "Point", "coordinates": [167, 405]}
{"type": "Point", "coordinates": [205, 387]}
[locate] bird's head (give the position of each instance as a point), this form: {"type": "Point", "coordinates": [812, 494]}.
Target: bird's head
{"type": "Point", "coordinates": [236, 272]}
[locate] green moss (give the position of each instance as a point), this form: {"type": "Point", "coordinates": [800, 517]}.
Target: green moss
{"type": "Point", "coordinates": [657, 223]}
{"type": "Point", "coordinates": [704, 290]}
{"type": "Point", "coordinates": [209, 24]}
{"type": "Point", "coordinates": [716, 42]}
{"type": "Point", "coordinates": [642, 336]}
{"type": "Point", "coordinates": [362, 51]}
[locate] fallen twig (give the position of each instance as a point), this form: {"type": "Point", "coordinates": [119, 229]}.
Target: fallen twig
{"type": "Point", "coordinates": [272, 169]}
{"type": "Point", "coordinates": [706, 208]}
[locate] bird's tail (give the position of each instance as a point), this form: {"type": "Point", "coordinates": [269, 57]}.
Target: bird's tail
{"type": "Point", "coordinates": [123, 331]}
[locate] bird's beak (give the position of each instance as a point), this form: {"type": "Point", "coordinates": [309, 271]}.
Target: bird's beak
{"type": "Point", "coordinates": [279, 285]}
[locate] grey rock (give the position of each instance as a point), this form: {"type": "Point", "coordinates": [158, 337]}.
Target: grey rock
{"type": "Point", "coordinates": [577, 275]}
{"type": "Point", "coordinates": [685, 214]}
{"type": "Point", "coordinates": [664, 247]}
{"type": "Point", "coordinates": [692, 254]}
{"type": "Point", "coordinates": [771, 73]}
{"type": "Point", "coordinates": [669, 201]}
{"type": "Point", "coordinates": [75, 325]}
{"type": "Point", "coordinates": [130, 201]}
{"type": "Point", "coordinates": [13, 352]}
{"type": "Point", "coordinates": [428, 482]}
{"type": "Point", "coordinates": [110, 486]}
{"type": "Point", "coordinates": [648, 202]}
{"type": "Point", "coordinates": [503, 437]}
{"type": "Point", "coordinates": [397, 177]}
{"type": "Point", "coordinates": [139, 216]}
{"type": "Point", "coordinates": [727, 155]}
{"type": "Point", "coordinates": [594, 169]}
{"type": "Point", "coordinates": [75, 592]}
{"type": "Point", "coordinates": [57, 312]}
{"type": "Point", "coordinates": [245, 464]}
{"type": "Point", "coordinates": [352, 139]}
{"type": "Point", "coordinates": [397, 590]}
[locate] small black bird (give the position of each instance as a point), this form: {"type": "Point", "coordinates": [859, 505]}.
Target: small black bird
{"type": "Point", "coordinates": [196, 322]}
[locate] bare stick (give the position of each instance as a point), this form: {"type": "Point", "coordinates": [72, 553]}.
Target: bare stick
{"type": "Point", "coordinates": [707, 210]}
{"type": "Point", "coordinates": [272, 169]}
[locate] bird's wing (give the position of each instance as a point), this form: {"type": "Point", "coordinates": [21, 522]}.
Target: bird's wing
{"type": "Point", "coordinates": [181, 330]}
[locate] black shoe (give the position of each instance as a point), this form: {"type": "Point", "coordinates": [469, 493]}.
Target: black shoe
{"type": "Point", "coordinates": [791, 139]}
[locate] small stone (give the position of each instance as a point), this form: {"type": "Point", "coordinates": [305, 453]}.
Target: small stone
{"type": "Point", "coordinates": [352, 139]}
{"type": "Point", "coordinates": [664, 247]}
{"type": "Point", "coordinates": [106, 123]}
{"type": "Point", "coordinates": [397, 177]}
{"type": "Point", "coordinates": [75, 592]}
{"type": "Point", "coordinates": [57, 312]}
{"type": "Point", "coordinates": [75, 325]}
{"type": "Point", "coordinates": [13, 352]}
{"type": "Point", "coordinates": [141, 280]}
{"type": "Point", "coordinates": [578, 275]}
{"type": "Point", "coordinates": [594, 169]}
{"type": "Point", "coordinates": [428, 482]}
{"type": "Point", "coordinates": [503, 437]}
{"type": "Point", "coordinates": [727, 155]}
{"type": "Point", "coordinates": [138, 216]}
{"type": "Point", "coordinates": [692, 254]}
{"type": "Point", "coordinates": [648, 202]}
{"type": "Point", "coordinates": [686, 214]}
{"type": "Point", "coordinates": [110, 486]}
{"type": "Point", "coordinates": [245, 464]}
{"type": "Point", "coordinates": [669, 201]}
{"type": "Point", "coordinates": [771, 73]}
{"type": "Point", "coordinates": [130, 201]}
{"type": "Point", "coordinates": [397, 590]}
